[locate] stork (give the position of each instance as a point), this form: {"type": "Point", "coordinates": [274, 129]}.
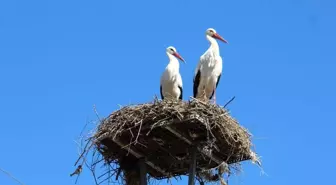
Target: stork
{"type": "Point", "coordinates": [171, 81]}
{"type": "Point", "coordinates": [209, 68]}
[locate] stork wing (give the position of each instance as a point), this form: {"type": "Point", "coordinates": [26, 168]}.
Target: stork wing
{"type": "Point", "coordinates": [161, 92]}
{"type": "Point", "coordinates": [196, 83]}
{"type": "Point", "coordinates": [198, 67]}
{"type": "Point", "coordinates": [181, 91]}
{"type": "Point", "coordinates": [197, 76]}
{"type": "Point", "coordinates": [218, 72]}
{"type": "Point", "coordinates": [218, 78]}
{"type": "Point", "coordinates": [219, 67]}
{"type": "Point", "coordinates": [180, 85]}
{"type": "Point", "coordinates": [161, 81]}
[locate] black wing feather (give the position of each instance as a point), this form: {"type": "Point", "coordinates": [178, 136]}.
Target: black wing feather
{"type": "Point", "coordinates": [161, 92]}
{"type": "Point", "coordinates": [196, 82]}
{"type": "Point", "coordinates": [181, 95]}
{"type": "Point", "coordinates": [218, 78]}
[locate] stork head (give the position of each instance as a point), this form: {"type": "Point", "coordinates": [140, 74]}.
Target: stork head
{"type": "Point", "coordinates": [212, 33]}
{"type": "Point", "coordinates": [171, 50]}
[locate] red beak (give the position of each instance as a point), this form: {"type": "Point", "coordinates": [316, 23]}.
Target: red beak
{"type": "Point", "coordinates": [217, 36]}
{"type": "Point", "coordinates": [178, 56]}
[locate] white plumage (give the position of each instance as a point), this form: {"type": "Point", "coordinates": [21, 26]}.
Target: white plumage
{"type": "Point", "coordinates": [171, 82]}
{"type": "Point", "coordinates": [209, 68]}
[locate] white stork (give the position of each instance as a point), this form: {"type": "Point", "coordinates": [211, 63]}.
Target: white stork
{"type": "Point", "coordinates": [171, 81]}
{"type": "Point", "coordinates": [209, 68]}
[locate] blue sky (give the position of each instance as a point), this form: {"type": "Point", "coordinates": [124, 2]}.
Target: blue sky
{"type": "Point", "coordinates": [59, 58]}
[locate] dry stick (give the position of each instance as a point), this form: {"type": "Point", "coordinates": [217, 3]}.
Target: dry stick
{"type": "Point", "coordinates": [136, 139]}
{"type": "Point", "coordinates": [86, 150]}
{"type": "Point", "coordinates": [109, 175]}
{"type": "Point", "coordinates": [107, 178]}
{"type": "Point", "coordinates": [81, 155]}
{"type": "Point", "coordinates": [93, 167]}
{"type": "Point", "coordinates": [97, 161]}
{"type": "Point", "coordinates": [84, 147]}
{"type": "Point", "coordinates": [131, 133]}
{"type": "Point", "coordinates": [80, 146]}
{"type": "Point", "coordinates": [11, 176]}
{"type": "Point", "coordinates": [197, 100]}
{"type": "Point", "coordinates": [84, 127]}
{"type": "Point", "coordinates": [84, 159]}
{"type": "Point", "coordinates": [199, 179]}
{"type": "Point", "coordinates": [107, 172]}
{"type": "Point", "coordinates": [229, 101]}
{"type": "Point", "coordinates": [102, 175]}
{"type": "Point", "coordinates": [77, 178]}
{"type": "Point", "coordinates": [94, 176]}
{"type": "Point", "coordinates": [142, 144]}
{"type": "Point", "coordinates": [95, 110]}
{"type": "Point", "coordinates": [118, 173]}
{"type": "Point", "coordinates": [92, 158]}
{"type": "Point", "coordinates": [93, 173]}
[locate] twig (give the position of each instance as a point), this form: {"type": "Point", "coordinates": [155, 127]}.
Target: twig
{"type": "Point", "coordinates": [199, 178]}
{"type": "Point", "coordinates": [108, 178]}
{"type": "Point", "coordinates": [11, 176]}
{"type": "Point", "coordinates": [97, 161]}
{"type": "Point", "coordinates": [83, 152]}
{"type": "Point", "coordinates": [92, 171]}
{"type": "Point", "coordinates": [197, 100]}
{"type": "Point", "coordinates": [229, 101]}
{"type": "Point", "coordinates": [102, 175]}
{"type": "Point", "coordinates": [94, 176]}
{"type": "Point", "coordinates": [84, 127]}
{"type": "Point", "coordinates": [77, 178]}
{"type": "Point", "coordinates": [136, 139]}
{"type": "Point", "coordinates": [95, 110]}
{"type": "Point", "coordinates": [118, 173]}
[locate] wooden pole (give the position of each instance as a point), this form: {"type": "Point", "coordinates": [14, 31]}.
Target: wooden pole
{"type": "Point", "coordinates": [211, 156]}
{"type": "Point", "coordinates": [143, 171]}
{"type": "Point", "coordinates": [192, 168]}
{"type": "Point", "coordinates": [139, 156]}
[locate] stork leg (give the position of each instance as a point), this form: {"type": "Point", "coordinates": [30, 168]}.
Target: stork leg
{"type": "Point", "coordinates": [214, 96]}
{"type": "Point", "coordinates": [204, 95]}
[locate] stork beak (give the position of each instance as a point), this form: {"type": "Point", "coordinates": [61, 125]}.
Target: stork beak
{"type": "Point", "coordinates": [217, 36]}
{"type": "Point", "coordinates": [178, 56]}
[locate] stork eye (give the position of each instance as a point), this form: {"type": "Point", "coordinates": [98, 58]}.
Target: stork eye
{"type": "Point", "coordinates": [172, 49]}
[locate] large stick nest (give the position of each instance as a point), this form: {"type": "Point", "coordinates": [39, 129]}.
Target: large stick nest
{"type": "Point", "coordinates": [164, 132]}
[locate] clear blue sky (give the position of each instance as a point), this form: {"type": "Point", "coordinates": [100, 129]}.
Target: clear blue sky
{"type": "Point", "coordinates": [59, 58]}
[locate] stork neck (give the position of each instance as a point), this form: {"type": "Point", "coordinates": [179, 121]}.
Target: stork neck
{"type": "Point", "coordinates": [173, 61]}
{"type": "Point", "coordinates": [213, 45]}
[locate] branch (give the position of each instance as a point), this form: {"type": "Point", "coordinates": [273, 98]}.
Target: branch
{"type": "Point", "coordinates": [229, 101]}
{"type": "Point", "coordinates": [95, 110]}
{"type": "Point", "coordinates": [11, 176]}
